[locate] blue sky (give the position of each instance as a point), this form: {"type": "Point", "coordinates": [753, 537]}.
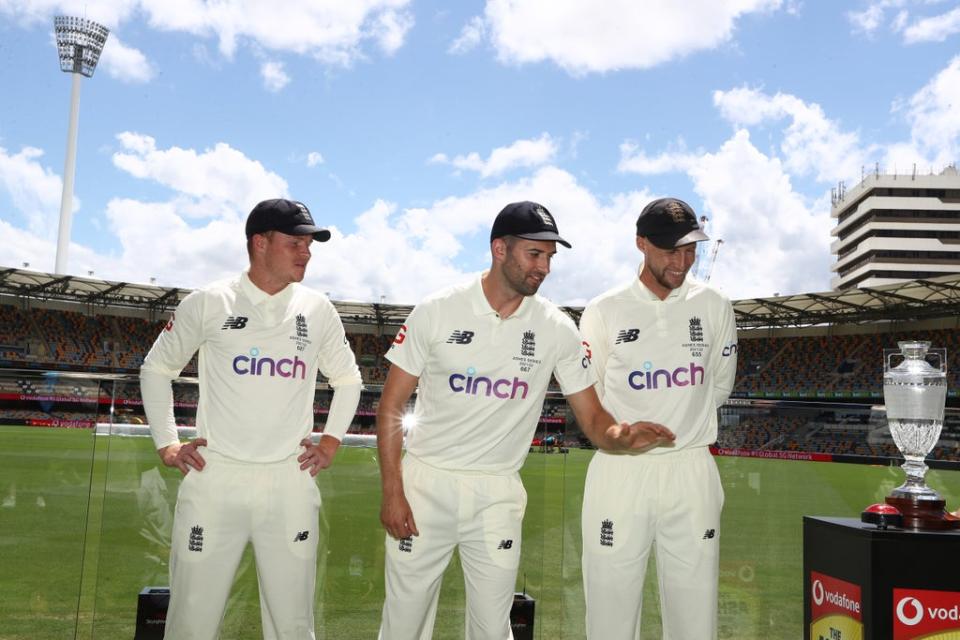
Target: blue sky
{"type": "Point", "coordinates": [406, 125]}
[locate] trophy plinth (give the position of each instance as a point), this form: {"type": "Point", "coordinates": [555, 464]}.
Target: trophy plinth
{"type": "Point", "coordinates": [915, 393]}
{"type": "Point", "coordinates": [928, 515]}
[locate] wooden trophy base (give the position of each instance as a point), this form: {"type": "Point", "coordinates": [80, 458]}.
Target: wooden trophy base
{"type": "Point", "coordinates": [926, 515]}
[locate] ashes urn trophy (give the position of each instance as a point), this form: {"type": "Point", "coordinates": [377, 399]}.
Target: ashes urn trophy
{"type": "Point", "coordinates": [915, 393]}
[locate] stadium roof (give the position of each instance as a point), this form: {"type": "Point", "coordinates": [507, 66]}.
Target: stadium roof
{"type": "Point", "coordinates": [912, 300]}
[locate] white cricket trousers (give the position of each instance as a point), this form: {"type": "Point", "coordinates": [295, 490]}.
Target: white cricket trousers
{"type": "Point", "coordinates": [630, 503]}
{"type": "Point", "coordinates": [219, 510]}
{"type": "Point", "coordinates": [482, 514]}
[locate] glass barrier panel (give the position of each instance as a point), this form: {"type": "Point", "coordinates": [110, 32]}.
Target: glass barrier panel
{"type": "Point", "coordinates": [47, 456]}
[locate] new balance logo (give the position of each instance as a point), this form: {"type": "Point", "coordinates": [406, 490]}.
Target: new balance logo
{"type": "Point", "coordinates": [708, 534]}
{"type": "Point", "coordinates": [627, 335]}
{"type": "Point", "coordinates": [406, 545]}
{"type": "Point", "coordinates": [234, 322]}
{"type": "Point", "coordinates": [460, 336]}
{"type": "Point", "coordinates": [196, 539]}
{"type": "Point", "coordinates": [300, 537]}
{"type": "Point", "coordinates": [606, 533]}
{"type": "Point", "coordinates": [505, 544]}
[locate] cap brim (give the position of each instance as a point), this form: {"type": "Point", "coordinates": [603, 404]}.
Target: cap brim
{"type": "Point", "coordinates": [320, 235]}
{"type": "Point", "coordinates": [672, 242]}
{"type": "Point", "coordinates": [545, 235]}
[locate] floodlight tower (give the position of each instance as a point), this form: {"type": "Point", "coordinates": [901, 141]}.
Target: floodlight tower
{"type": "Point", "coordinates": [79, 43]}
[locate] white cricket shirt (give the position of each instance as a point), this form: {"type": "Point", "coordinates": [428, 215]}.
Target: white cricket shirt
{"type": "Point", "coordinates": [258, 361]}
{"type": "Point", "coordinates": [482, 378]}
{"type": "Point", "coordinates": [667, 361]}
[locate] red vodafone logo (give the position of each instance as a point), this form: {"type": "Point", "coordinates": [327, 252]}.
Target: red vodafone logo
{"type": "Point", "coordinates": [817, 592]}
{"type": "Point", "coordinates": [909, 611]}
{"type": "Point", "coordinates": [924, 613]}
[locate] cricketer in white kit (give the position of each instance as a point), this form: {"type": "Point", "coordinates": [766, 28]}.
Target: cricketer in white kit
{"type": "Point", "coordinates": [664, 348]}
{"type": "Point", "coordinates": [261, 338]}
{"type": "Point", "coordinates": [482, 354]}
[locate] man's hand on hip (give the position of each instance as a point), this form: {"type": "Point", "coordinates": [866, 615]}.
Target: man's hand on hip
{"type": "Point", "coordinates": [317, 456]}
{"type": "Point", "coordinates": [184, 455]}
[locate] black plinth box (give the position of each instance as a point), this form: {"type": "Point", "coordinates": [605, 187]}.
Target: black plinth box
{"type": "Point", "coordinates": [881, 584]}
{"type": "Point", "coordinates": [152, 613]}
{"type": "Point", "coordinates": [521, 616]}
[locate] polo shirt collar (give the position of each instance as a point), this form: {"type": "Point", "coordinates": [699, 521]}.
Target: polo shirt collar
{"type": "Point", "coordinates": [258, 296]}
{"type": "Point", "coordinates": [644, 293]}
{"type": "Point", "coordinates": [481, 306]}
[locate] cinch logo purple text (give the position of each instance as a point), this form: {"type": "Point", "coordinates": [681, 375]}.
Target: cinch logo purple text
{"type": "Point", "coordinates": [651, 378]}
{"type": "Point", "coordinates": [253, 365]}
{"type": "Point", "coordinates": [475, 385]}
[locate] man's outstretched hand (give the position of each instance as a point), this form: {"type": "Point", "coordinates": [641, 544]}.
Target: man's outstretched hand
{"type": "Point", "coordinates": [639, 436]}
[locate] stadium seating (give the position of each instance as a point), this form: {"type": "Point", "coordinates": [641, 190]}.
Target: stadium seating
{"type": "Point", "coordinates": [816, 367]}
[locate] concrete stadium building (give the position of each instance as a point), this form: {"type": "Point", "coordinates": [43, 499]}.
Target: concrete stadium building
{"type": "Point", "coordinates": [891, 228]}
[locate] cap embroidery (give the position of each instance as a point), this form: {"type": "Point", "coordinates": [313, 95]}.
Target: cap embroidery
{"type": "Point", "coordinates": [545, 216]}
{"type": "Point", "coordinates": [676, 211]}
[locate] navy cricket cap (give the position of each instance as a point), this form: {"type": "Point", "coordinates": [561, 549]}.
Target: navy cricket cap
{"type": "Point", "coordinates": [286, 216]}
{"type": "Point", "coordinates": [669, 223]}
{"type": "Point", "coordinates": [527, 220]}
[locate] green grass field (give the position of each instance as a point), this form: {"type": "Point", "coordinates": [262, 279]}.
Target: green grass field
{"type": "Point", "coordinates": [85, 523]}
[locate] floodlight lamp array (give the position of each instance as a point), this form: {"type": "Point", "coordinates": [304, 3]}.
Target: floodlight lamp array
{"type": "Point", "coordinates": [79, 44]}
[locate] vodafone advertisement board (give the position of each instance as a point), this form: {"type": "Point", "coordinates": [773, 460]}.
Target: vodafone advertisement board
{"type": "Point", "coordinates": [922, 613]}
{"type": "Point", "coordinates": [836, 608]}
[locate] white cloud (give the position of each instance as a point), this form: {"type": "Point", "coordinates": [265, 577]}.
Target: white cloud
{"type": "Point", "coordinates": [934, 116]}
{"type": "Point", "coordinates": [812, 143]}
{"type": "Point", "coordinates": [180, 253]}
{"type": "Point", "coordinates": [221, 174]}
{"type": "Point", "coordinates": [867, 21]}
{"type": "Point", "coordinates": [754, 209]}
{"type": "Point", "coordinates": [33, 189]}
{"type": "Point", "coordinates": [21, 246]}
{"type": "Point", "coordinates": [332, 31]}
{"type": "Point", "coordinates": [583, 36]}
{"type": "Point", "coordinates": [936, 28]}
{"type": "Point", "coordinates": [762, 221]}
{"type": "Point", "coordinates": [274, 77]}
{"type": "Point", "coordinates": [109, 13]}
{"type": "Point", "coordinates": [390, 28]}
{"type": "Point", "coordinates": [522, 153]}
{"type": "Point", "coordinates": [194, 236]}
{"type": "Point", "coordinates": [329, 30]}
{"type": "Point", "coordinates": [899, 21]}
{"type": "Point", "coordinates": [413, 252]}
{"type": "Point", "coordinates": [314, 158]}
{"type": "Point", "coordinates": [933, 28]}
{"type": "Point", "coordinates": [633, 159]}
{"type": "Point", "coordinates": [125, 63]}
{"type": "Point", "coordinates": [470, 36]}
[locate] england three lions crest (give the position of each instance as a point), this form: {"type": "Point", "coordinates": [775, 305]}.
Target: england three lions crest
{"type": "Point", "coordinates": [528, 351]}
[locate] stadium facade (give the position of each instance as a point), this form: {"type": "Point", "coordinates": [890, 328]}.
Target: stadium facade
{"type": "Point", "coordinates": [892, 228]}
